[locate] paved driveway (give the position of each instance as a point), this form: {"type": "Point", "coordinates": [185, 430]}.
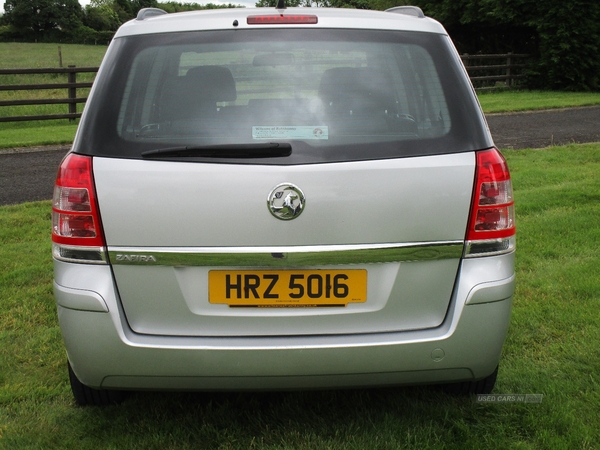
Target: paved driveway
{"type": "Point", "coordinates": [28, 174]}
{"type": "Point", "coordinates": [545, 128]}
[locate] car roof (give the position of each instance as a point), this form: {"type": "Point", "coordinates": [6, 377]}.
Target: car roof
{"type": "Point", "coordinates": [229, 19]}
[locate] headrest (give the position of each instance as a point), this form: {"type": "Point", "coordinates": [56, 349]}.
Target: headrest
{"type": "Point", "coordinates": [211, 83]}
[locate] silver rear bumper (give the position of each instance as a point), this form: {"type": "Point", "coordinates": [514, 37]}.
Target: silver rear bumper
{"type": "Point", "coordinates": [105, 353]}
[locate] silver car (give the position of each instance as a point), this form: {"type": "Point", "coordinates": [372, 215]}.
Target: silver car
{"type": "Point", "coordinates": [282, 199]}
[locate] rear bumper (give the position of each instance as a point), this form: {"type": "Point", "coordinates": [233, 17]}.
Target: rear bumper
{"type": "Point", "coordinates": [104, 353]}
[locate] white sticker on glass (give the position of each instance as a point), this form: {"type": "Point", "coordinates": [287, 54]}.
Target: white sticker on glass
{"type": "Point", "coordinates": [290, 132]}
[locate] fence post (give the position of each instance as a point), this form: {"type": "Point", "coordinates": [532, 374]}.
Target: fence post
{"type": "Point", "coordinates": [72, 92]}
{"type": "Point", "coordinates": [508, 71]}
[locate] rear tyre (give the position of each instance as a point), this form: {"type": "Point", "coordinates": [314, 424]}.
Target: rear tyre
{"type": "Point", "coordinates": [86, 396]}
{"type": "Point", "coordinates": [484, 386]}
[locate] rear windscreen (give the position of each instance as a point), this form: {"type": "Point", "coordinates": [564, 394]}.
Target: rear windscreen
{"type": "Point", "coordinates": [333, 95]}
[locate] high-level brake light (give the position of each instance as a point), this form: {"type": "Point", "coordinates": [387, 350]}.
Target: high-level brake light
{"type": "Point", "coordinates": [279, 19]}
{"type": "Point", "coordinates": [76, 228]}
{"type": "Point", "coordinates": [491, 227]}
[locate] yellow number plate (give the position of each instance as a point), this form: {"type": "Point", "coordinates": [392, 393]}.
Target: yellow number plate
{"type": "Point", "coordinates": [287, 288]}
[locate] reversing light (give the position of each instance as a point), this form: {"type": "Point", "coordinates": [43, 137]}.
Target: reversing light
{"type": "Point", "coordinates": [282, 19]}
{"type": "Point", "coordinates": [492, 222]}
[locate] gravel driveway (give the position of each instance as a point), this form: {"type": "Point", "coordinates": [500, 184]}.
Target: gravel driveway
{"type": "Point", "coordinates": [28, 174]}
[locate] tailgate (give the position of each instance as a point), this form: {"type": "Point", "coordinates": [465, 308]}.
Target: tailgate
{"type": "Point", "coordinates": [196, 252]}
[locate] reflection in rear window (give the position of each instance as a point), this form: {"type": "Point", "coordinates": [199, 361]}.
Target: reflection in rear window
{"type": "Point", "coordinates": [316, 90]}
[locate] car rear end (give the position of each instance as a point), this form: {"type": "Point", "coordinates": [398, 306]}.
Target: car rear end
{"type": "Point", "coordinates": [270, 199]}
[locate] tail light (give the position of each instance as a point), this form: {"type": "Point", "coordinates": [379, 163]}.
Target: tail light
{"type": "Point", "coordinates": [491, 228]}
{"type": "Point", "coordinates": [76, 229]}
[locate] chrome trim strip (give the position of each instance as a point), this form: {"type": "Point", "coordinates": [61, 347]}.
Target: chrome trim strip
{"type": "Point", "coordinates": [319, 255]}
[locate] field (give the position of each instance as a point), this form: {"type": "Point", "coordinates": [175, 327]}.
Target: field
{"type": "Point", "coordinates": [551, 350]}
{"type": "Point", "coordinates": [22, 55]}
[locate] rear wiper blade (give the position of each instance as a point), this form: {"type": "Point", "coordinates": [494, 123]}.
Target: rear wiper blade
{"type": "Point", "coordinates": [254, 150]}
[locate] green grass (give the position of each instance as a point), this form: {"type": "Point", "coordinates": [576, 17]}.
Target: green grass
{"type": "Point", "coordinates": [17, 55]}
{"type": "Point", "coordinates": [46, 133]}
{"type": "Point", "coordinates": [514, 101]}
{"type": "Point", "coordinates": [551, 349]}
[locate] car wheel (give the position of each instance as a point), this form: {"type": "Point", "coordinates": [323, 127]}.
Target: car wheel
{"type": "Point", "coordinates": [86, 396]}
{"type": "Point", "coordinates": [483, 386]}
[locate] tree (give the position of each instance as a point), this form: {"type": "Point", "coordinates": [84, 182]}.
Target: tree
{"type": "Point", "coordinates": [43, 19]}
{"type": "Point", "coordinates": [101, 17]}
{"type": "Point", "coordinates": [562, 35]}
{"type": "Point", "coordinates": [569, 45]}
{"type": "Point", "coordinates": [172, 7]}
{"type": "Point", "coordinates": [124, 10]}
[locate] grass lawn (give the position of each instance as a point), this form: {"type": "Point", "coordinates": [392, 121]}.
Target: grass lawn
{"type": "Point", "coordinates": [551, 350]}
{"type": "Point", "coordinates": [22, 134]}
{"type": "Point", "coordinates": [23, 55]}
{"type": "Point", "coordinates": [514, 101]}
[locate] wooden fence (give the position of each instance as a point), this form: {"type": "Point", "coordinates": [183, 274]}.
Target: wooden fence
{"type": "Point", "coordinates": [71, 86]}
{"type": "Point", "coordinates": [495, 71]}
{"type": "Point", "coordinates": [485, 71]}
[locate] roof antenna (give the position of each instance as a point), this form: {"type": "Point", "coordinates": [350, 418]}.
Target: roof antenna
{"type": "Point", "coordinates": [280, 4]}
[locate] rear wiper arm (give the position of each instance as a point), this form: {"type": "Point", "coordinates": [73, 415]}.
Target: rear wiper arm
{"type": "Point", "coordinates": [253, 150]}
